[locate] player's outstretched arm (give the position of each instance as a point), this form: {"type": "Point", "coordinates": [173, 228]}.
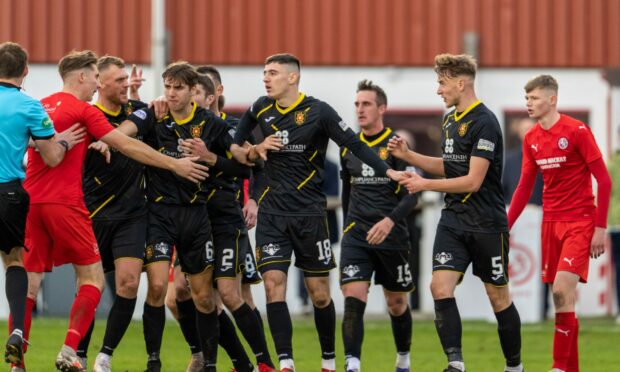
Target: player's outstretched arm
{"type": "Point", "coordinates": [521, 196]}
{"type": "Point", "coordinates": [471, 182]}
{"type": "Point", "coordinates": [140, 152]}
{"type": "Point", "coordinates": [429, 164]}
{"type": "Point", "coordinates": [53, 149]}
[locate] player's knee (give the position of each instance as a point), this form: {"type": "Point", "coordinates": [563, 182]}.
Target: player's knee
{"type": "Point", "coordinates": [320, 298]}
{"type": "Point", "coordinates": [231, 299]}
{"type": "Point", "coordinates": [561, 296]}
{"type": "Point", "coordinates": [156, 291]}
{"type": "Point", "coordinates": [204, 303]}
{"type": "Point", "coordinates": [128, 284]}
{"type": "Point", "coordinates": [397, 305]}
{"type": "Point", "coordinates": [182, 293]}
{"type": "Point", "coordinates": [441, 290]}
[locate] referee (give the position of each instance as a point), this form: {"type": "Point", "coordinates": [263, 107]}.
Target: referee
{"type": "Point", "coordinates": [21, 118]}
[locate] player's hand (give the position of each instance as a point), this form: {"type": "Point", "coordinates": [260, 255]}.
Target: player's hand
{"type": "Point", "coordinates": [197, 147]}
{"type": "Point", "coordinates": [271, 143]}
{"type": "Point", "coordinates": [413, 182]}
{"type": "Point", "coordinates": [160, 106]}
{"type": "Point", "coordinates": [250, 212]}
{"type": "Point", "coordinates": [396, 175]}
{"type": "Point", "coordinates": [380, 231]}
{"type": "Point", "coordinates": [398, 147]}
{"type": "Point", "coordinates": [597, 247]}
{"type": "Point", "coordinates": [103, 148]}
{"type": "Point", "coordinates": [240, 154]}
{"type": "Point", "coordinates": [188, 168]}
{"type": "Point", "coordinates": [73, 135]}
{"type": "Point", "coordinates": [135, 82]}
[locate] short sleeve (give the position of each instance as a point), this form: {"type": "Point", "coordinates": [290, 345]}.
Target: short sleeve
{"type": "Point", "coordinates": [39, 124]}
{"type": "Point", "coordinates": [485, 137]}
{"type": "Point", "coordinates": [144, 119]}
{"type": "Point", "coordinates": [96, 123]}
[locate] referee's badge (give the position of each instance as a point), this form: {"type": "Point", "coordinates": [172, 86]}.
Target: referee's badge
{"type": "Point", "coordinates": [383, 153]}
{"type": "Point", "coordinates": [463, 128]}
{"type": "Point", "coordinates": [195, 131]}
{"type": "Point", "coordinates": [300, 117]}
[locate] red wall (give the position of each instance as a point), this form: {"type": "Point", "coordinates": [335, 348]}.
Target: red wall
{"type": "Point", "coordinates": [512, 33]}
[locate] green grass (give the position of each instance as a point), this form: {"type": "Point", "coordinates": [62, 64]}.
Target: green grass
{"type": "Point", "coordinates": [599, 340]}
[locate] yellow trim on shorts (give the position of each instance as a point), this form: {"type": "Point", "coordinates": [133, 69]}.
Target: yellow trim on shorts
{"type": "Point", "coordinates": [271, 262]}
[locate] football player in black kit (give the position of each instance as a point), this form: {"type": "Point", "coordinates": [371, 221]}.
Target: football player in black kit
{"type": "Point", "coordinates": [231, 242]}
{"type": "Point", "coordinates": [473, 227]}
{"type": "Point", "coordinates": [115, 197]}
{"type": "Point", "coordinates": [375, 234]}
{"type": "Point", "coordinates": [177, 210]}
{"type": "Point", "coordinates": [291, 214]}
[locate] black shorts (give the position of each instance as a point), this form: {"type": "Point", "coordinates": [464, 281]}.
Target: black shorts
{"type": "Point", "coordinates": [230, 246]}
{"type": "Point", "coordinates": [277, 237]}
{"type": "Point", "coordinates": [455, 249]}
{"type": "Point", "coordinates": [250, 273]}
{"type": "Point", "coordinates": [185, 227]}
{"type": "Point", "coordinates": [358, 262]}
{"type": "Point", "coordinates": [14, 204]}
{"type": "Point", "coordinates": [120, 239]}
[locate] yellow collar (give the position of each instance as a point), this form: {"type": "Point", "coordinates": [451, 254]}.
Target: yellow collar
{"type": "Point", "coordinates": [378, 140]}
{"type": "Point", "coordinates": [291, 107]}
{"type": "Point", "coordinates": [108, 112]}
{"type": "Point", "coordinates": [467, 110]}
{"type": "Point", "coordinates": [187, 119]}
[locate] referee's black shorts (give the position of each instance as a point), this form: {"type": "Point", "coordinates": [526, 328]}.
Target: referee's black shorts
{"type": "Point", "coordinates": [14, 203]}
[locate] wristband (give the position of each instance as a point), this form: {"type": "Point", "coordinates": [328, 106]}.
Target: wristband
{"type": "Point", "coordinates": [64, 144]}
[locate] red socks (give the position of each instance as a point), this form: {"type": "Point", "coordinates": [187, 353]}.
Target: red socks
{"type": "Point", "coordinates": [82, 314]}
{"type": "Point", "coordinates": [565, 341]}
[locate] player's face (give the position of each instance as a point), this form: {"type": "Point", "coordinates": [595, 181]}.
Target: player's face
{"type": "Point", "coordinates": [201, 97]}
{"type": "Point", "coordinates": [276, 79]}
{"type": "Point", "coordinates": [89, 78]}
{"type": "Point", "coordinates": [367, 111]}
{"type": "Point", "coordinates": [178, 94]}
{"type": "Point", "coordinates": [114, 84]}
{"type": "Point", "coordinates": [448, 89]}
{"type": "Point", "coordinates": [539, 102]}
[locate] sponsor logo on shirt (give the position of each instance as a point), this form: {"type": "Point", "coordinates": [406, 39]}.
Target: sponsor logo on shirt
{"type": "Point", "coordinates": [141, 114]}
{"type": "Point", "coordinates": [343, 125]}
{"type": "Point", "coordinates": [548, 163]}
{"type": "Point", "coordinates": [563, 143]}
{"type": "Point", "coordinates": [485, 145]}
{"type": "Point", "coordinates": [535, 147]}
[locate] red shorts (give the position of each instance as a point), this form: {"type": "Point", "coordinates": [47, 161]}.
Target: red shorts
{"type": "Point", "coordinates": [566, 247]}
{"type": "Point", "coordinates": [57, 234]}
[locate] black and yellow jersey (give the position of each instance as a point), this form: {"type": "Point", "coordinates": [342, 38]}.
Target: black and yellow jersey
{"type": "Point", "coordinates": [368, 198]}
{"type": "Point", "coordinates": [165, 136]}
{"type": "Point", "coordinates": [114, 191]}
{"type": "Point", "coordinates": [295, 173]}
{"type": "Point", "coordinates": [474, 132]}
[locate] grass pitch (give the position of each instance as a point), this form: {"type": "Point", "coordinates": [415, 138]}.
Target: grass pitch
{"type": "Point", "coordinates": [599, 350]}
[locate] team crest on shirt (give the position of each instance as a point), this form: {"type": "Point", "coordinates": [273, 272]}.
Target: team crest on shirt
{"type": "Point", "coordinates": [383, 153]}
{"type": "Point", "coordinates": [463, 128]}
{"type": "Point", "coordinates": [128, 110]}
{"type": "Point", "coordinates": [563, 143]}
{"type": "Point", "coordinates": [195, 131]}
{"type": "Point", "coordinates": [300, 117]}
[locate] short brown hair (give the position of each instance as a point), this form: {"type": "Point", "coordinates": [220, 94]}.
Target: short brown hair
{"type": "Point", "coordinates": [451, 65]}
{"type": "Point", "coordinates": [284, 59]}
{"type": "Point", "coordinates": [76, 60]}
{"type": "Point", "coordinates": [181, 72]}
{"type": "Point", "coordinates": [212, 71]}
{"type": "Point", "coordinates": [13, 60]}
{"type": "Point", "coordinates": [107, 61]}
{"type": "Point", "coordinates": [380, 93]}
{"type": "Point", "coordinates": [543, 82]}
{"type": "Point", "coordinates": [207, 84]}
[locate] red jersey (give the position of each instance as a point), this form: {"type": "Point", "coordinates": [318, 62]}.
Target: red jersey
{"type": "Point", "coordinates": [562, 155]}
{"type": "Point", "coordinates": [63, 183]}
